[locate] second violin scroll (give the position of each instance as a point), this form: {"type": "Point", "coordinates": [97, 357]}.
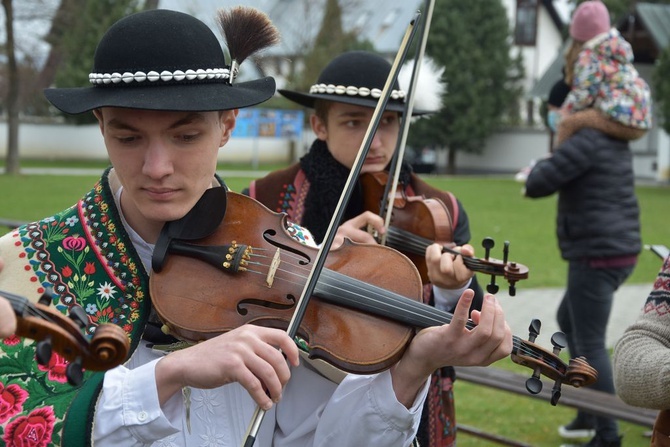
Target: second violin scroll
{"type": "Point", "coordinates": [418, 222]}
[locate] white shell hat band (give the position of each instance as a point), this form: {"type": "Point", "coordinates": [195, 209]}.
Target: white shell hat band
{"type": "Point", "coordinates": [376, 93]}
{"type": "Point", "coordinates": [165, 76]}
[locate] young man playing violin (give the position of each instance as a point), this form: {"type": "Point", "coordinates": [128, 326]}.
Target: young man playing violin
{"type": "Point", "coordinates": [166, 101]}
{"type": "Point", "coordinates": [309, 191]}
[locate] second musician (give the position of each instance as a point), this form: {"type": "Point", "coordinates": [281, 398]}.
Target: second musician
{"type": "Point", "coordinates": [309, 191]}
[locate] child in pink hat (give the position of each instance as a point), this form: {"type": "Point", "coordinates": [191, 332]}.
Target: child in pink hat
{"type": "Point", "coordinates": [599, 68]}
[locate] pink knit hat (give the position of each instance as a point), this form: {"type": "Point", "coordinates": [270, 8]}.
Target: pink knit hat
{"type": "Point", "coordinates": [590, 19]}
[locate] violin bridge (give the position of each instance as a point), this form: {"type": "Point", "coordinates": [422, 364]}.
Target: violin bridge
{"type": "Point", "coordinates": [274, 265]}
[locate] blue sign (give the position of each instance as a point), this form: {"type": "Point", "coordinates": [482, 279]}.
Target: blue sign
{"type": "Point", "coordinates": [275, 123]}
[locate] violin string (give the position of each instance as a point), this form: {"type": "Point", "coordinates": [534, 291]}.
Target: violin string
{"type": "Point", "coordinates": [407, 241]}
{"type": "Point", "coordinates": [371, 295]}
{"type": "Point", "coordinates": [518, 344]}
{"type": "Point", "coordinates": [397, 238]}
{"type": "Point", "coordinates": [25, 307]}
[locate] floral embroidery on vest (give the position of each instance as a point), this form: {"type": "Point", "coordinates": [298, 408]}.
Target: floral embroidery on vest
{"type": "Point", "coordinates": [292, 197]}
{"type": "Point", "coordinates": [85, 256]}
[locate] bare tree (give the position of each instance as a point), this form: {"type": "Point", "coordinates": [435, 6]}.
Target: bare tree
{"type": "Point", "coordinates": [12, 101]}
{"type": "Point", "coordinates": [62, 21]}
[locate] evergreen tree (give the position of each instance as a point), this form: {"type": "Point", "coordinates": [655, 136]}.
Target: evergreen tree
{"type": "Point", "coordinates": [472, 41]}
{"type": "Point", "coordinates": [330, 42]}
{"type": "Point", "coordinates": [77, 44]}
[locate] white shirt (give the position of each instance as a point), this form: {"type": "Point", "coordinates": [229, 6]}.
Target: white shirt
{"type": "Point", "coordinates": [360, 411]}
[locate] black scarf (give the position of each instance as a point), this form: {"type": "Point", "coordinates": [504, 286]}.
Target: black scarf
{"type": "Point", "coordinates": [327, 179]}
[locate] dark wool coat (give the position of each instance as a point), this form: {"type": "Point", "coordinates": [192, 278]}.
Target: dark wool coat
{"type": "Point", "coordinates": [598, 213]}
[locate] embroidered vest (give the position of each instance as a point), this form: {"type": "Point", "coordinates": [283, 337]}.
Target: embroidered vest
{"type": "Point", "coordinates": [85, 256]}
{"type": "Point", "coordinates": [284, 191]}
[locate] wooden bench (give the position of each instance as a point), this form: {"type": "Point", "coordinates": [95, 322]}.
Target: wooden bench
{"type": "Point", "coordinates": [592, 401]}
{"type": "Point", "coordinates": [10, 223]}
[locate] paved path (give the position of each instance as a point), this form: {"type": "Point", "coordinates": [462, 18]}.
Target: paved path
{"type": "Point", "coordinates": [543, 303]}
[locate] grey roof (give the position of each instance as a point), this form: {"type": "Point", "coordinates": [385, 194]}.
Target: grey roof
{"type": "Point", "coordinates": [656, 19]}
{"type": "Point", "coordinates": [382, 22]}
{"type": "Point", "coordinates": [553, 73]}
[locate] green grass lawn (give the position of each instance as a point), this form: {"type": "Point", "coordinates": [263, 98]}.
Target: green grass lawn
{"type": "Point", "coordinates": [496, 209]}
{"type": "Point", "coordinates": [524, 419]}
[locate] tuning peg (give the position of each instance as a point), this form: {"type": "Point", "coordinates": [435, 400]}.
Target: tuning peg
{"type": "Point", "coordinates": [47, 297]}
{"type": "Point", "coordinates": [492, 287]}
{"type": "Point", "coordinates": [505, 252]}
{"type": "Point", "coordinates": [43, 351]}
{"type": "Point", "coordinates": [78, 315]}
{"type": "Point", "coordinates": [560, 341]}
{"type": "Point", "coordinates": [74, 372]}
{"type": "Point", "coordinates": [534, 384]}
{"type": "Point", "coordinates": [556, 392]}
{"type": "Point", "coordinates": [512, 288]}
{"type": "Point", "coordinates": [488, 243]}
{"type": "Point", "coordinates": [534, 329]}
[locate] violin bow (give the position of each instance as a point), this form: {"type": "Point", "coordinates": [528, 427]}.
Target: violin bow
{"type": "Point", "coordinates": [399, 153]}
{"type": "Point", "coordinates": [308, 290]}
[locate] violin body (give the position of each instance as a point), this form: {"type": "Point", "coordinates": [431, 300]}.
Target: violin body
{"type": "Point", "coordinates": [365, 308]}
{"type": "Point", "coordinates": [265, 288]}
{"type": "Point", "coordinates": [426, 218]}
{"type": "Point", "coordinates": [418, 222]}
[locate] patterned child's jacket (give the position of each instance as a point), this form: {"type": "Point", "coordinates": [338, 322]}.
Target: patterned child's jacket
{"type": "Point", "coordinates": [605, 78]}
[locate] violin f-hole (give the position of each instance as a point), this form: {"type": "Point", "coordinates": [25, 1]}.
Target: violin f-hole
{"type": "Point", "coordinates": [269, 236]}
{"type": "Point", "coordinates": [242, 305]}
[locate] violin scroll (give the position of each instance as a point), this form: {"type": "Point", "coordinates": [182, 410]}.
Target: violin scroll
{"type": "Point", "coordinates": [417, 222]}
{"type": "Point", "coordinates": [53, 331]}
{"type": "Point", "coordinates": [510, 270]}
{"type": "Point", "coordinates": [577, 373]}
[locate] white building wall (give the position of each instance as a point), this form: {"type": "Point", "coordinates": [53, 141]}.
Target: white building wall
{"type": "Point", "coordinates": [663, 167]}
{"type": "Point", "coordinates": [65, 142]}
{"type": "Point", "coordinates": [548, 41]}
{"type": "Point", "coordinates": [504, 153]}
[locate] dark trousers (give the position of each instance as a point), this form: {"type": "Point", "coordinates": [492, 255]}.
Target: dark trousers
{"type": "Point", "coordinates": [583, 316]}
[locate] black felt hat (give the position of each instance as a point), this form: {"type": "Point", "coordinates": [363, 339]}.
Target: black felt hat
{"type": "Point", "coordinates": [161, 60]}
{"type": "Point", "coordinates": [355, 77]}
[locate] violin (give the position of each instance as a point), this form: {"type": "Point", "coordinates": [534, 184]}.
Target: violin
{"type": "Point", "coordinates": [417, 222]}
{"type": "Point", "coordinates": [360, 318]}
{"type": "Point", "coordinates": [55, 331]}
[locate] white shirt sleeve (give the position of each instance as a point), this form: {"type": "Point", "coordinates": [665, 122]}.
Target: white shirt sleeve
{"type": "Point", "coordinates": [362, 410]}
{"type": "Point", "coordinates": [446, 299]}
{"type": "Point", "coordinates": [128, 411]}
